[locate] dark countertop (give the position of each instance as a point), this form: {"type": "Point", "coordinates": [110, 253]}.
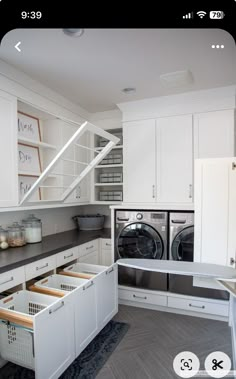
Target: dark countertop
{"type": "Point", "coordinates": [20, 256]}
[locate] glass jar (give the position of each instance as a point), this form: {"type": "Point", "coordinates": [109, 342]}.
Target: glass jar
{"type": "Point", "coordinates": [3, 239]}
{"type": "Point", "coordinates": [16, 235]}
{"type": "Point", "coordinates": [33, 229]}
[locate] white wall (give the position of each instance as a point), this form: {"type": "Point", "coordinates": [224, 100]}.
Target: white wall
{"type": "Point", "coordinates": [54, 220]}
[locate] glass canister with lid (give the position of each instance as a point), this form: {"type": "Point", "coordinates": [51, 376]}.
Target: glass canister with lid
{"type": "Point", "coordinates": [33, 229]}
{"type": "Point", "coordinates": [3, 239]}
{"type": "Point", "coordinates": [16, 235]}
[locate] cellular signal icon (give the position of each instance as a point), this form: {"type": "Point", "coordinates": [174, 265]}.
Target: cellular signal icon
{"type": "Point", "coordinates": [188, 15]}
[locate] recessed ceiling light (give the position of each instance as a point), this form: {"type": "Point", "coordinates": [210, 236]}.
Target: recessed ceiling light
{"type": "Point", "coordinates": [73, 32]}
{"type": "Point", "coordinates": [129, 90]}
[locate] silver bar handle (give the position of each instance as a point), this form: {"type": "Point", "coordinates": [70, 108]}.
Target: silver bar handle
{"type": "Point", "coordinates": [108, 244]}
{"type": "Point", "coordinates": [90, 285]}
{"type": "Point", "coordinates": [109, 271]}
{"type": "Point", "coordinates": [140, 297]}
{"type": "Point", "coordinates": [7, 281]}
{"type": "Point", "coordinates": [190, 191]}
{"type": "Point", "coordinates": [153, 191]}
{"type": "Point", "coordinates": [40, 268]}
{"type": "Point", "coordinates": [56, 309]}
{"type": "Point", "coordinates": [89, 247]}
{"type": "Point", "coordinates": [68, 256]}
{"type": "Point", "coordinates": [232, 261]}
{"type": "Point", "coordinates": [197, 306]}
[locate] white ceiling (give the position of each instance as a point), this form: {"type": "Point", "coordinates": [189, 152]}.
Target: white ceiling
{"type": "Point", "coordinates": [92, 70]}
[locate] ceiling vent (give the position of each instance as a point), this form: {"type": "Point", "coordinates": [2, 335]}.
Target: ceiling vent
{"type": "Point", "coordinates": [177, 79]}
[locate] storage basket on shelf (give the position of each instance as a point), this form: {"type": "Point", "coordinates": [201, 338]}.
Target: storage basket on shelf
{"type": "Point", "coordinates": [58, 285]}
{"type": "Point", "coordinates": [111, 177]}
{"type": "Point", "coordinates": [89, 222]}
{"type": "Point", "coordinates": [17, 314]}
{"type": "Point", "coordinates": [110, 195]}
{"type": "Point", "coordinates": [112, 159]}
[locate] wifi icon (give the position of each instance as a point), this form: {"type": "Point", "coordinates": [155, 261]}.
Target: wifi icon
{"type": "Point", "coordinates": [201, 14]}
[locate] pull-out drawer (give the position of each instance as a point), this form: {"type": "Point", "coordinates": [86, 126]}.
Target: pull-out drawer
{"type": "Point", "coordinates": [220, 308]}
{"type": "Point", "coordinates": [40, 267]}
{"type": "Point", "coordinates": [83, 270]}
{"type": "Point", "coordinates": [142, 297]}
{"type": "Point", "coordinates": [67, 256]}
{"type": "Point", "coordinates": [12, 278]}
{"type": "Point", "coordinates": [36, 325]}
{"type": "Point", "coordinates": [88, 247]}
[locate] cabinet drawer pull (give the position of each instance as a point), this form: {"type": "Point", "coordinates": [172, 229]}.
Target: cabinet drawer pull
{"type": "Point", "coordinates": [7, 281]}
{"type": "Point", "coordinates": [140, 297]}
{"type": "Point", "coordinates": [108, 244]}
{"type": "Point", "coordinates": [197, 306]}
{"type": "Point", "coordinates": [89, 247]}
{"type": "Point", "coordinates": [190, 191]}
{"type": "Point", "coordinates": [109, 271]}
{"type": "Point", "coordinates": [153, 191]}
{"type": "Point", "coordinates": [90, 285]}
{"type": "Point", "coordinates": [40, 268]}
{"type": "Point", "coordinates": [56, 309]}
{"type": "Point", "coordinates": [68, 256]}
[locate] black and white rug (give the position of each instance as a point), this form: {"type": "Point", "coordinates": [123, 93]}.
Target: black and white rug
{"type": "Point", "coordinates": [89, 362]}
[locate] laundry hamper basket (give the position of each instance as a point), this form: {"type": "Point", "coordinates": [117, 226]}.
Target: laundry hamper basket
{"type": "Point", "coordinates": [17, 313]}
{"type": "Point", "coordinates": [59, 285]}
{"type": "Point", "coordinates": [83, 270]}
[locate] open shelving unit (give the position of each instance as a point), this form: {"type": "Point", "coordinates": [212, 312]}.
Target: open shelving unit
{"type": "Point", "coordinates": [107, 178]}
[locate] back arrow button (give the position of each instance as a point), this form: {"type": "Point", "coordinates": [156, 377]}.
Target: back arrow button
{"type": "Point", "coordinates": [17, 46]}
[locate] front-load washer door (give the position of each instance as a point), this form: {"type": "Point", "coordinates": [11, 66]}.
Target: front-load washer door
{"type": "Point", "coordinates": [139, 240]}
{"type": "Point", "coordinates": [182, 245]}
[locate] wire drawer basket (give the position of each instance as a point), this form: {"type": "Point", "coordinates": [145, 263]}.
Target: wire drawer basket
{"type": "Point", "coordinates": [110, 195]}
{"type": "Point", "coordinates": [63, 284]}
{"type": "Point", "coordinates": [111, 177]}
{"type": "Point", "coordinates": [17, 338]}
{"type": "Point", "coordinates": [83, 269]}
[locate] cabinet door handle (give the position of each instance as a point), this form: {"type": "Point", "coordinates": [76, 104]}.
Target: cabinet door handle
{"type": "Point", "coordinates": [153, 191]}
{"type": "Point", "coordinates": [56, 309]}
{"type": "Point", "coordinates": [90, 285]}
{"type": "Point", "coordinates": [40, 268]}
{"type": "Point", "coordinates": [140, 297]}
{"type": "Point", "coordinates": [232, 261]}
{"type": "Point", "coordinates": [197, 306]}
{"type": "Point", "coordinates": [89, 247]}
{"type": "Point", "coordinates": [190, 191]}
{"type": "Point", "coordinates": [108, 244]}
{"type": "Point", "coordinates": [68, 256]}
{"type": "Point", "coordinates": [233, 166]}
{"type": "Point", "coordinates": [78, 192]}
{"type": "Point", "coordinates": [7, 281]}
{"type": "Point", "coordinates": [109, 271]}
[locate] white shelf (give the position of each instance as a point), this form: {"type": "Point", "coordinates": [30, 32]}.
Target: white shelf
{"type": "Point", "coordinates": [110, 202]}
{"type": "Point", "coordinates": [109, 165]}
{"type": "Point", "coordinates": [115, 147]}
{"type": "Point", "coordinates": [108, 184]}
{"type": "Point", "coordinates": [40, 144]}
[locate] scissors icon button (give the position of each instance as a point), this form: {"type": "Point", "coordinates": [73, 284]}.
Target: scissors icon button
{"type": "Point", "coordinates": [216, 364]}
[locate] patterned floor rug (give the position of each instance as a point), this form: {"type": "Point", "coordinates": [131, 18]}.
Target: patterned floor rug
{"type": "Point", "coordinates": [89, 362]}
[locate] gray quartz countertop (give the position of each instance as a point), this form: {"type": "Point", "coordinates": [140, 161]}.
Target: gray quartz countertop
{"type": "Point", "coordinates": [20, 256]}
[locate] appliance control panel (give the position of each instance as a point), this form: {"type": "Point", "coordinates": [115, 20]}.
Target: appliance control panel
{"type": "Point", "coordinates": [139, 216]}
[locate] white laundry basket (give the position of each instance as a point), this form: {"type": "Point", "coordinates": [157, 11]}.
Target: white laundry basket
{"type": "Point", "coordinates": [17, 313]}
{"type": "Point", "coordinates": [83, 270]}
{"type": "Point", "coordinates": [61, 283]}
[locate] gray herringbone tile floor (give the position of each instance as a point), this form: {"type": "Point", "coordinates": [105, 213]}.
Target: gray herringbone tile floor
{"type": "Point", "coordinates": [155, 338]}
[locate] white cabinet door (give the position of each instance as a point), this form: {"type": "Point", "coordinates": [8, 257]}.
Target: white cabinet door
{"type": "Point", "coordinates": [139, 161]}
{"type": "Point", "coordinates": [107, 295]}
{"type": "Point", "coordinates": [92, 258]}
{"type": "Point", "coordinates": [231, 259]}
{"type": "Point", "coordinates": [214, 134]}
{"type": "Point", "coordinates": [8, 151]}
{"type": "Point", "coordinates": [174, 159]}
{"type": "Point", "coordinates": [86, 315]}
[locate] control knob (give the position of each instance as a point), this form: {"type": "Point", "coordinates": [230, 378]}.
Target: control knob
{"type": "Point", "coordinates": [139, 216]}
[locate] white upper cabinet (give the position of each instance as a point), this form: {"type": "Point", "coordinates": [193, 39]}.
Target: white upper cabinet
{"type": "Point", "coordinates": [174, 157]}
{"type": "Point", "coordinates": [214, 135]}
{"type": "Point", "coordinates": [8, 150]}
{"type": "Point", "coordinates": [215, 215]}
{"type": "Point", "coordinates": [139, 161]}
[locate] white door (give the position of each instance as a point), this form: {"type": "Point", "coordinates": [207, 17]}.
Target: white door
{"type": "Point", "coordinates": [86, 315]}
{"type": "Point", "coordinates": [54, 341]}
{"type": "Point", "coordinates": [174, 159]}
{"type": "Point", "coordinates": [8, 151]}
{"type": "Point", "coordinates": [107, 295]}
{"type": "Point", "coordinates": [139, 169]}
{"type": "Point", "coordinates": [232, 214]}
{"type": "Point", "coordinates": [214, 134]}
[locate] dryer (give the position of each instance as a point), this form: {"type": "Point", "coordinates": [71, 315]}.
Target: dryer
{"type": "Point", "coordinates": [141, 234]}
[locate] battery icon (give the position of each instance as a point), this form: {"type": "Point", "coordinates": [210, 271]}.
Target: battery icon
{"type": "Point", "coordinates": [217, 15]}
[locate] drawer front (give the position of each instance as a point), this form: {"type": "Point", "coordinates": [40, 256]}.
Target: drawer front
{"type": "Point", "coordinates": [199, 306]}
{"type": "Point", "coordinates": [106, 244]}
{"type": "Point", "coordinates": [143, 297]}
{"type": "Point", "coordinates": [67, 256]}
{"type": "Point", "coordinates": [91, 258]}
{"type": "Point", "coordinates": [88, 247]}
{"type": "Point", "coordinates": [12, 278]}
{"type": "Point", "coordinates": [40, 267]}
